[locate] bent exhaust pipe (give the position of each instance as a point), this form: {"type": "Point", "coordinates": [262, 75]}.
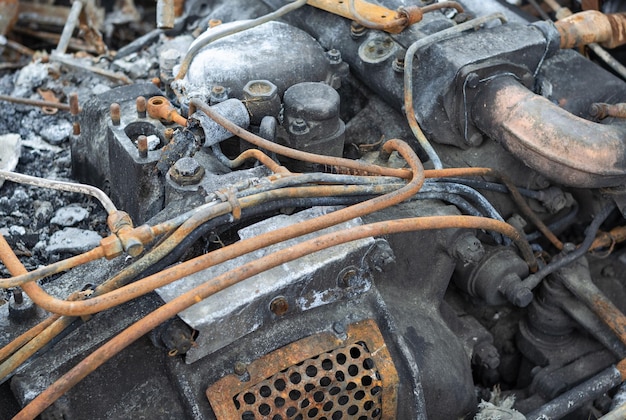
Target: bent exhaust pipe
{"type": "Point", "coordinates": [561, 146]}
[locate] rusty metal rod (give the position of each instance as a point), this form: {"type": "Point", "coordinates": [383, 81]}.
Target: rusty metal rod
{"type": "Point", "coordinates": [592, 26]}
{"type": "Point", "coordinates": [26, 277]}
{"type": "Point", "coordinates": [515, 194]}
{"type": "Point", "coordinates": [222, 282]}
{"type": "Point", "coordinates": [143, 286]}
{"type": "Point", "coordinates": [35, 102]}
{"type": "Point", "coordinates": [24, 338]}
{"type": "Point", "coordinates": [609, 239]}
{"type": "Point", "coordinates": [262, 143]}
{"type": "Point", "coordinates": [111, 293]}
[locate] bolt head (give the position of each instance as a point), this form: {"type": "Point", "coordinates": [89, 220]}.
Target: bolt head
{"type": "Point", "coordinates": [187, 171]}
{"type": "Point", "coordinates": [338, 328]}
{"type": "Point", "coordinates": [260, 89]}
{"type": "Point", "coordinates": [187, 166]}
{"type": "Point", "coordinates": [334, 56]}
{"type": "Point", "coordinates": [298, 126]}
{"type": "Point", "coordinates": [279, 306]}
{"type": "Point", "coordinates": [240, 368]}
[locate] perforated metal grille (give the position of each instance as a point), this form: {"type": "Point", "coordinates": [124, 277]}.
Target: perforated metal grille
{"type": "Point", "coordinates": [340, 384]}
{"type": "Point", "coordinates": [319, 377]}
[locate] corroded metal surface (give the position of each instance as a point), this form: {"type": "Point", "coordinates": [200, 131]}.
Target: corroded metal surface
{"type": "Point", "coordinates": [320, 376]}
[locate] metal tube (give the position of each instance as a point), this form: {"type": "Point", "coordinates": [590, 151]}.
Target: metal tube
{"type": "Point", "coordinates": [23, 278]}
{"type": "Point", "coordinates": [331, 161]}
{"type": "Point", "coordinates": [576, 397]}
{"type": "Point", "coordinates": [165, 14]}
{"type": "Point", "coordinates": [564, 148]}
{"type": "Point", "coordinates": [61, 186]}
{"type": "Point", "coordinates": [68, 29]}
{"type": "Point", "coordinates": [592, 26]}
{"type": "Point", "coordinates": [557, 263]}
{"type": "Point", "coordinates": [35, 102]}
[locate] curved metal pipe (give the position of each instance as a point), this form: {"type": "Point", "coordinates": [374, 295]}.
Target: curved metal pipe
{"type": "Point", "coordinates": [590, 27]}
{"type": "Point", "coordinates": [561, 146]}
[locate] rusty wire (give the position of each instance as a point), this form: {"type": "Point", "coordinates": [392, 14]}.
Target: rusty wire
{"type": "Point", "coordinates": [405, 16]}
{"type": "Point", "coordinates": [110, 294]}
{"type": "Point", "coordinates": [261, 157]}
{"type": "Point", "coordinates": [146, 324]}
{"type": "Point", "coordinates": [35, 102]}
{"type": "Point", "coordinates": [330, 161]}
{"type": "Point", "coordinates": [20, 349]}
{"type": "Point", "coordinates": [515, 194]}
{"type": "Point", "coordinates": [24, 338]}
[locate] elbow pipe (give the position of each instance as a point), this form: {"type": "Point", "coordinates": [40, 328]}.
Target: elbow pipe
{"type": "Point", "coordinates": [561, 146]}
{"type": "Point", "coordinates": [592, 26]}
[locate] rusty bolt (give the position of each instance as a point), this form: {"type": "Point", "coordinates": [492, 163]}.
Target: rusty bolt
{"type": "Point", "coordinates": [168, 134]}
{"type": "Point", "coordinates": [347, 277]}
{"type": "Point", "coordinates": [240, 368]}
{"type": "Point", "coordinates": [398, 64]}
{"type": "Point", "coordinates": [74, 106]}
{"type": "Point", "coordinates": [214, 22]}
{"type": "Point", "coordinates": [141, 107]}
{"type": "Point", "coordinates": [76, 128]}
{"type": "Point", "coordinates": [142, 146]}
{"type": "Point", "coordinates": [116, 113]}
{"type": "Point", "coordinates": [187, 171]}
{"type": "Point", "coordinates": [279, 306]}
{"type": "Point", "coordinates": [218, 94]}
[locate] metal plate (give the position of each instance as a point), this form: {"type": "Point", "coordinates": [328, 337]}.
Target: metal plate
{"type": "Point", "coordinates": [321, 377]}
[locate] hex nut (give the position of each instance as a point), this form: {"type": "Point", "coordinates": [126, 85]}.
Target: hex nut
{"type": "Point", "coordinates": [186, 171]}
{"type": "Point", "coordinates": [260, 89]}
